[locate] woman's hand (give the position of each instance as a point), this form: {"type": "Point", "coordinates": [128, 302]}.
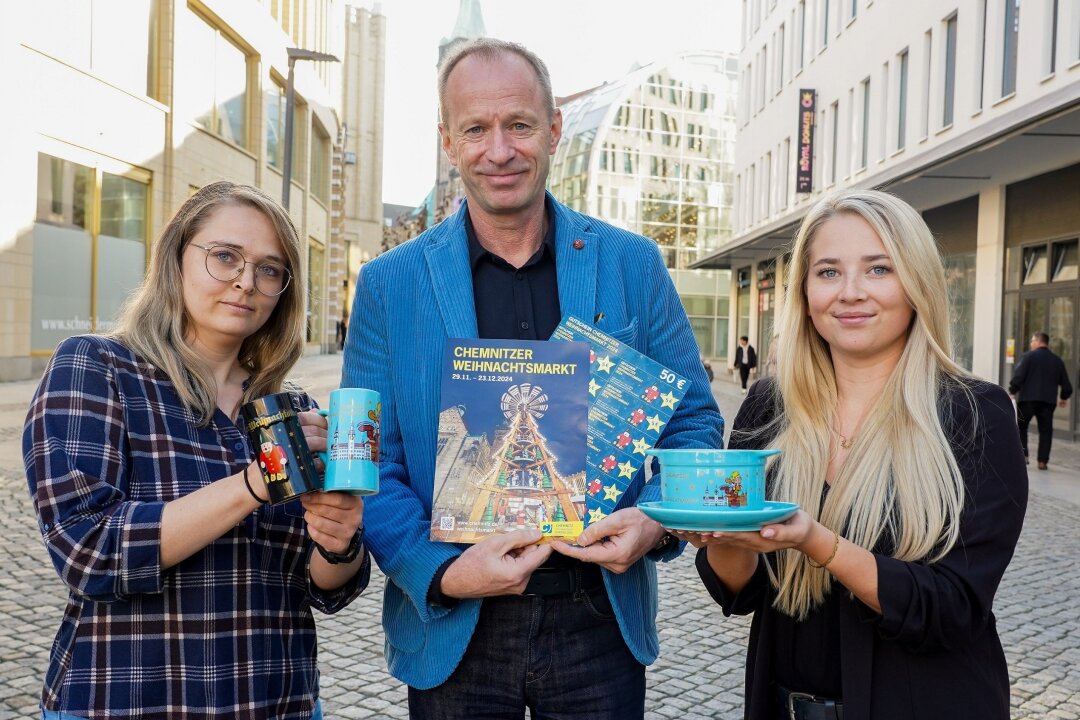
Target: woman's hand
{"type": "Point", "coordinates": [333, 518]}
{"type": "Point", "coordinates": [315, 427]}
{"type": "Point", "coordinates": [793, 532]}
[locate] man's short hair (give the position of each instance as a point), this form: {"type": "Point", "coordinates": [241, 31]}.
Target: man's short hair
{"type": "Point", "coordinates": [491, 50]}
{"type": "Point", "coordinates": [1042, 337]}
{"type": "Point", "coordinates": [743, 337]}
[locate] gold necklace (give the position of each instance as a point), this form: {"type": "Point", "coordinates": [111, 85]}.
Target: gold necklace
{"type": "Point", "coordinates": [845, 442]}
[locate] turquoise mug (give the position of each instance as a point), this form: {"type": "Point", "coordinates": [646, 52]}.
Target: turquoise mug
{"type": "Point", "coordinates": [352, 441]}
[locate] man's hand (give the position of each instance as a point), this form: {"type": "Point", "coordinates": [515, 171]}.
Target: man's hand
{"type": "Point", "coordinates": [499, 565]}
{"type": "Point", "coordinates": [616, 542]}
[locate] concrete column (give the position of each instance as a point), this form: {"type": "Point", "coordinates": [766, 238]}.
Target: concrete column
{"type": "Point", "coordinates": [989, 274]}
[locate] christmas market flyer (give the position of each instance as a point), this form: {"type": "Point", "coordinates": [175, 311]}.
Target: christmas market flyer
{"type": "Point", "coordinates": [511, 446]}
{"type": "Point", "coordinates": [632, 397]}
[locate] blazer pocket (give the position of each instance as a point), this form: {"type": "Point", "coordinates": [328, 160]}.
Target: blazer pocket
{"type": "Point", "coordinates": [627, 335]}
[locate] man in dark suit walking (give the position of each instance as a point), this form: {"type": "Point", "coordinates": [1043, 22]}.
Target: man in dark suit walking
{"type": "Point", "coordinates": [745, 360]}
{"type": "Point", "coordinates": [1034, 384]}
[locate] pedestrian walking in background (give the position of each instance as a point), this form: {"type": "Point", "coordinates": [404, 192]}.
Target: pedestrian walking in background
{"type": "Point", "coordinates": [506, 626]}
{"type": "Point", "coordinates": [745, 360]}
{"type": "Point", "coordinates": [874, 601]}
{"type": "Point", "coordinates": [1034, 385]}
{"type": "Point", "coordinates": [188, 595]}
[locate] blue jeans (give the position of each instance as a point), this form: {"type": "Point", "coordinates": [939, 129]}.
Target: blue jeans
{"type": "Point", "coordinates": [561, 656]}
{"type": "Point", "coordinates": [55, 715]}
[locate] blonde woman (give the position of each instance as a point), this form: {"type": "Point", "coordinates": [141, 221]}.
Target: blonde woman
{"type": "Point", "coordinates": [187, 595]}
{"type": "Point", "coordinates": [874, 600]}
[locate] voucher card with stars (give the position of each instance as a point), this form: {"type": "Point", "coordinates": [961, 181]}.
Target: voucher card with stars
{"type": "Point", "coordinates": [631, 399]}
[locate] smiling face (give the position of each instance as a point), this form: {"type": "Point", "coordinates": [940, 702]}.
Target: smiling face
{"type": "Point", "coordinates": [221, 315]}
{"type": "Point", "coordinates": [853, 294]}
{"type": "Point", "coordinates": [499, 133]}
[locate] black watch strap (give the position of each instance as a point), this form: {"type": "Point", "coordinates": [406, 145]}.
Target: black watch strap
{"type": "Point", "coordinates": [350, 554]}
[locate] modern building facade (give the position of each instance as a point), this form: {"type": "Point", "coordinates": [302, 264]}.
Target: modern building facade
{"type": "Point", "coordinates": [653, 152]}
{"type": "Point", "coordinates": [121, 111]}
{"type": "Point", "coordinates": [968, 109]}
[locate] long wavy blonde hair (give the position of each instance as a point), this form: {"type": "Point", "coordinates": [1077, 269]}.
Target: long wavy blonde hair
{"type": "Point", "coordinates": [900, 484]}
{"type": "Point", "coordinates": [154, 321]}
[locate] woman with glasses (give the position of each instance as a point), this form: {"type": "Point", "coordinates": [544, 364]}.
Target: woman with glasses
{"type": "Point", "coordinates": [188, 595]}
{"type": "Point", "coordinates": [875, 599]}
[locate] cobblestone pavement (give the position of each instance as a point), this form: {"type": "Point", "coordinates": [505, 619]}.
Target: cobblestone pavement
{"type": "Point", "coordinates": [699, 674]}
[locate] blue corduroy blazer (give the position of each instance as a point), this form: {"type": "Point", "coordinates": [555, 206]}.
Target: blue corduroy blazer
{"type": "Point", "coordinates": [408, 302]}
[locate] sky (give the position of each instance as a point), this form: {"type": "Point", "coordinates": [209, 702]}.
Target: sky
{"type": "Point", "coordinates": [583, 42]}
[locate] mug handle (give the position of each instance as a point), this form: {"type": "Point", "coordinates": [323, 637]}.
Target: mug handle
{"type": "Point", "coordinates": [322, 453]}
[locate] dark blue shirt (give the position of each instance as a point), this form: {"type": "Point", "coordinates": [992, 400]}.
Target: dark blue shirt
{"type": "Point", "coordinates": [515, 303]}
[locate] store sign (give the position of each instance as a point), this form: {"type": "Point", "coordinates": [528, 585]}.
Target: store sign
{"type": "Point", "coordinates": [804, 171]}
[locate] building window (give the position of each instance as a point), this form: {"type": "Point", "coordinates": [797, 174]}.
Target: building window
{"type": "Point", "coordinates": [1065, 261]}
{"type": "Point", "coordinates": [1050, 62]}
{"type": "Point", "coordinates": [980, 70]}
{"type": "Point", "coordinates": [767, 186]}
{"type": "Point", "coordinates": [82, 275]}
{"type": "Point", "coordinates": [1012, 36]}
{"type": "Point", "coordinates": [780, 59]}
{"type": "Point", "coordinates": [950, 72]}
{"type": "Point", "coordinates": [800, 53]}
{"type": "Point", "coordinates": [864, 149]}
{"type": "Point", "coordinates": [275, 125]}
{"type": "Point", "coordinates": [784, 172]}
{"type": "Point", "coordinates": [854, 8]}
{"type": "Point", "coordinates": [316, 291]}
{"type": "Point", "coordinates": [319, 180]}
{"type": "Point", "coordinates": [211, 79]}
{"type": "Point", "coordinates": [834, 142]}
{"type": "Point", "coordinates": [824, 24]}
{"type": "Point", "coordinates": [928, 45]}
{"type": "Point", "coordinates": [901, 101]}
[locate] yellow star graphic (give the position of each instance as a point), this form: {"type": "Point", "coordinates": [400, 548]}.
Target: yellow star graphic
{"type": "Point", "coordinates": [655, 423]}
{"type": "Point", "coordinates": [593, 387]}
{"type": "Point", "coordinates": [626, 469]}
{"type": "Point", "coordinates": [640, 446]}
{"type": "Point", "coordinates": [611, 492]}
{"type": "Point", "coordinates": [596, 515]}
{"type": "Point", "coordinates": [668, 400]}
{"type": "Point", "coordinates": [604, 364]}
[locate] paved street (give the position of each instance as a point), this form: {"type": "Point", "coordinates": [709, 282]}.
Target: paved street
{"type": "Point", "coordinates": [699, 674]}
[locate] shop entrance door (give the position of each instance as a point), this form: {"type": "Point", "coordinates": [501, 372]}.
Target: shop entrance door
{"type": "Point", "coordinates": [1055, 313]}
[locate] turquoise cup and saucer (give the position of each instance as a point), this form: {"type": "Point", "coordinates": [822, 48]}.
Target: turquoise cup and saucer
{"type": "Point", "coordinates": [706, 490]}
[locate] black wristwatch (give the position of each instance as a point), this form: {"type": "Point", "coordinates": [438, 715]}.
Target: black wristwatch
{"type": "Point", "coordinates": [350, 554]}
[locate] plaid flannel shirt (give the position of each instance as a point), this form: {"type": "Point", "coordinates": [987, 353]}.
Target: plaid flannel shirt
{"type": "Point", "coordinates": [228, 632]}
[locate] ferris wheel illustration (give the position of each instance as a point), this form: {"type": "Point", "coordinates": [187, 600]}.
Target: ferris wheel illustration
{"type": "Point", "coordinates": [524, 397]}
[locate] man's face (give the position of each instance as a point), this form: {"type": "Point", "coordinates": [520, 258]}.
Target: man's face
{"type": "Point", "coordinates": [499, 133]}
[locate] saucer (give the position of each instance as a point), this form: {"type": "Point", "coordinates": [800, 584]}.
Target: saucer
{"type": "Point", "coordinates": [717, 519]}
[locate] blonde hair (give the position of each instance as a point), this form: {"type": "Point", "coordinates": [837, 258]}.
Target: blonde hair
{"type": "Point", "coordinates": [153, 322]}
{"type": "Point", "coordinates": [900, 482]}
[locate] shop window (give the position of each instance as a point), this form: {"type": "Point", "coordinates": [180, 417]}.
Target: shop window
{"type": "Point", "coordinates": [89, 249]}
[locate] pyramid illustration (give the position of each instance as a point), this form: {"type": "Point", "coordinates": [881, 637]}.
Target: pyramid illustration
{"type": "Point", "coordinates": [523, 486]}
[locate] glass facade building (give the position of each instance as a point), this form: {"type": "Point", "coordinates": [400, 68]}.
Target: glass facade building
{"type": "Point", "coordinates": [653, 152]}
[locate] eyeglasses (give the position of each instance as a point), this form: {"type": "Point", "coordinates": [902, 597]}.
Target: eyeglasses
{"type": "Point", "coordinates": [226, 264]}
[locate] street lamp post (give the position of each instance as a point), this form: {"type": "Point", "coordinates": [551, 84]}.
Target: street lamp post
{"type": "Point", "coordinates": [286, 171]}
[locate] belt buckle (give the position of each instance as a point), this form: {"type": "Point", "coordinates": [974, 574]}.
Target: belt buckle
{"type": "Point", "coordinates": [793, 697]}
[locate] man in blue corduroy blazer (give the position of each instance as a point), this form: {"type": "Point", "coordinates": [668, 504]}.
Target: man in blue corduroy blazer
{"type": "Point", "coordinates": [491, 629]}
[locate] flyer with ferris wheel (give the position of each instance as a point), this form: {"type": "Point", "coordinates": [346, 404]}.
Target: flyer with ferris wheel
{"type": "Point", "coordinates": [510, 453]}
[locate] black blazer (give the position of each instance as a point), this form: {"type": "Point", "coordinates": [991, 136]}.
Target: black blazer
{"type": "Point", "coordinates": [934, 651]}
{"type": "Point", "coordinates": [745, 357]}
{"type": "Point", "coordinates": [1037, 376]}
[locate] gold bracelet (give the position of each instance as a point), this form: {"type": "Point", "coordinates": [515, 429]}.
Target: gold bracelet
{"type": "Point", "coordinates": [835, 547]}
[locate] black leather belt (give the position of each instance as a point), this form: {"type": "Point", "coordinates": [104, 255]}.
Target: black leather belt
{"type": "Point", "coordinates": [804, 706]}
{"type": "Point", "coordinates": [564, 580]}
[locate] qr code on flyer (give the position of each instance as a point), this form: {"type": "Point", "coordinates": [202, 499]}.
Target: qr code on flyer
{"type": "Point", "coordinates": [446, 523]}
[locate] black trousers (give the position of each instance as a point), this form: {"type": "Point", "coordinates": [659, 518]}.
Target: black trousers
{"type": "Point", "coordinates": [744, 374]}
{"type": "Point", "coordinates": [1043, 413]}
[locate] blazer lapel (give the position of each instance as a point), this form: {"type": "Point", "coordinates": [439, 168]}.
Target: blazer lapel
{"type": "Point", "coordinates": [451, 277]}
{"type": "Point", "coordinates": [576, 253]}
